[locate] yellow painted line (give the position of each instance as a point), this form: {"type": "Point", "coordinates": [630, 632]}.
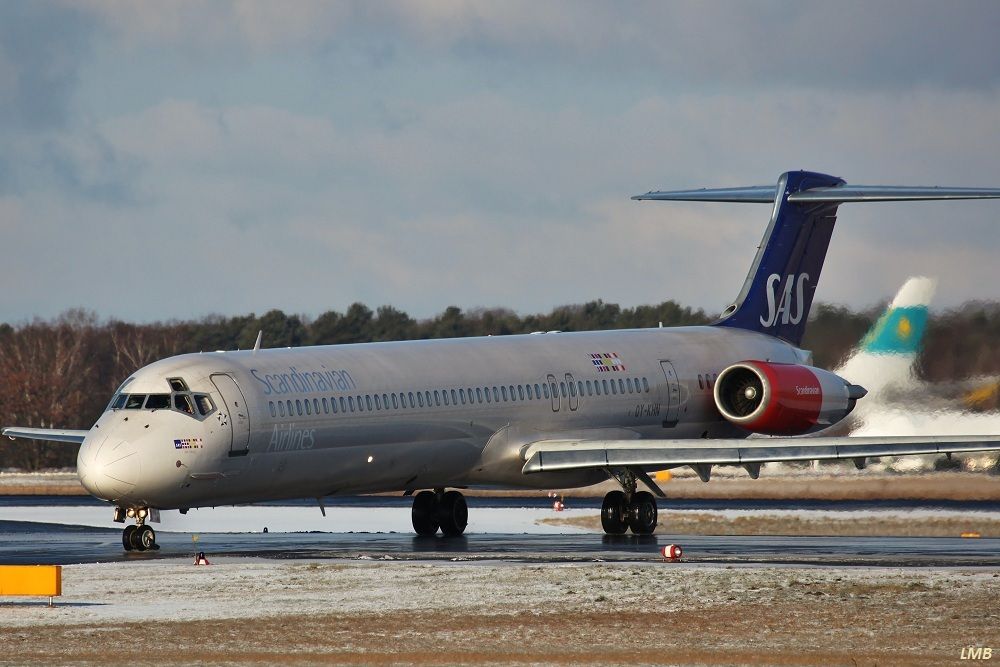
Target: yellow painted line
{"type": "Point", "coordinates": [44, 580]}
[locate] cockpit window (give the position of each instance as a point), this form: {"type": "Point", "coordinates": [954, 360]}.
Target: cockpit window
{"type": "Point", "coordinates": [177, 384]}
{"type": "Point", "coordinates": [134, 401]}
{"type": "Point", "coordinates": [204, 404]}
{"type": "Point", "coordinates": [118, 402]}
{"type": "Point", "coordinates": [158, 401]}
{"type": "Point", "coordinates": [183, 403]}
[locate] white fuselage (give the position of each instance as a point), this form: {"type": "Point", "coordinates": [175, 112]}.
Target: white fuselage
{"type": "Point", "coordinates": [324, 420]}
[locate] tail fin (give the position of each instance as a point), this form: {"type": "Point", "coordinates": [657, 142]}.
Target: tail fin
{"type": "Point", "coordinates": [778, 292]}
{"type": "Point", "coordinates": [887, 354]}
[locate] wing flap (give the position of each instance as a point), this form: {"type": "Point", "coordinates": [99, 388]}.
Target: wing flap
{"type": "Point", "coordinates": [49, 434]}
{"type": "Point", "coordinates": [555, 455]}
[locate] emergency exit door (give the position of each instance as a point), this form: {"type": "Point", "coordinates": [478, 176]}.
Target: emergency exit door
{"type": "Point", "coordinates": [671, 395]}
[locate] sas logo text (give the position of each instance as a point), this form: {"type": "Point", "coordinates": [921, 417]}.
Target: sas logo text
{"type": "Point", "coordinates": [780, 309]}
{"type": "Point", "coordinates": [188, 443]}
{"type": "Point", "coordinates": [977, 653]}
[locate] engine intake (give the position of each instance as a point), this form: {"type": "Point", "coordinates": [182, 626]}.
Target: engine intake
{"type": "Point", "coordinates": [783, 399]}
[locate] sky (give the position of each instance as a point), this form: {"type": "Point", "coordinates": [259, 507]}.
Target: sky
{"type": "Point", "coordinates": [178, 159]}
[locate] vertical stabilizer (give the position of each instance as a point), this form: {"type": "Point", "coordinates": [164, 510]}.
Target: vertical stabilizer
{"type": "Point", "coordinates": [779, 289]}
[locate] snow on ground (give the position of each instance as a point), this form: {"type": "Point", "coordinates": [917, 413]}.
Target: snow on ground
{"type": "Point", "coordinates": [277, 519]}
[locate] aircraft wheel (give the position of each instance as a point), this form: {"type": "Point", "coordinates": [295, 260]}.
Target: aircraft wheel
{"type": "Point", "coordinates": [135, 539]}
{"type": "Point", "coordinates": [423, 515]}
{"type": "Point", "coordinates": [613, 511]}
{"type": "Point", "coordinates": [127, 537]}
{"type": "Point", "coordinates": [642, 513]}
{"type": "Point", "coordinates": [453, 514]}
{"type": "Point", "coordinates": [147, 538]}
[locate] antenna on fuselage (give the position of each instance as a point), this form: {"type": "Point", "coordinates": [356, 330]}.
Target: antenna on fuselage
{"type": "Point", "coordinates": [260, 336]}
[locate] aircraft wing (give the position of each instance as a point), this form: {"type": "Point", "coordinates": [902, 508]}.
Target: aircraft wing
{"type": "Point", "coordinates": [556, 455]}
{"type": "Point", "coordinates": [51, 434]}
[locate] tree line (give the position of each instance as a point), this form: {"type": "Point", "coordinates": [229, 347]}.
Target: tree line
{"type": "Point", "coordinates": [61, 373]}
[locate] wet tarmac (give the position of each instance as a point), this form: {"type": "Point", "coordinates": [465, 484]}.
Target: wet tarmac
{"type": "Point", "coordinates": [24, 542]}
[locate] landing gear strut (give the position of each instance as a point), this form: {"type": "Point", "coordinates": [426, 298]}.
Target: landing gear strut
{"type": "Point", "coordinates": [442, 509]}
{"type": "Point", "coordinates": [139, 537]}
{"type": "Point", "coordinates": [628, 509]}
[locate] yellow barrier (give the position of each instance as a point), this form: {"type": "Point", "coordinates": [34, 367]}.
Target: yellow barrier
{"type": "Point", "coordinates": [41, 580]}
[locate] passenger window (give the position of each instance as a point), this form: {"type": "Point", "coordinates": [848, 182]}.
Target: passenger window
{"type": "Point", "coordinates": [605, 383]}
{"type": "Point", "coordinates": [461, 395]}
{"type": "Point", "coordinates": [316, 406]}
{"type": "Point", "coordinates": [520, 392]}
{"type": "Point", "coordinates": [579, 386]}
{"type": "Point", "coordinates": [158, 401]}
{"type": "Point", "coordinates": [545, 389]}
{"type": "Point", "coordinates": [590, 388]}
{"type": "Point", "coordinates": [378, 402]}
{"type": "Point", "coordinates": [503, 391]}
{"type": "Point", "coordinates": [395, 403]}
{"type": "Point", "coordinates": [489, 399]}
{"type": "Point", "coordinates": [597, 387]}
{"type": "Point", "coordinates": [368, 402]}
{"type": "Point", "coordinates": [402, 400]}
{"type": "Point", "coordinates": [350, 402]}
{"type": "Point", "coordinates": [628, 383]}
{"type": "Point", "coordinates": [496, 395]}
{"type": "Point", "coordinates": [479, 394]}
{"type": "Point", "coordinates": [281, 408]}
{"type": "Point", "coordinates": [385, 401]}
{"type": "Point", "coordinates": [326, 407]}
{"type": "Point", "coordinates": [562, 389]}
{"type": "Point", "coordinates": [538, 393]}
{"type": "Point", "coordinates": [614, 390]}
{"type": "Point", "coordinates": [412, 402]}
{"type": "Point", "coordinates": [183, 403]}
{"type": "Point", "coordinates": [343, 405]}
{"type": "Point", "coordinates": [177, 384]}
{"type": "Point", "coordinates": [361, 403]}
{"type": "Point", "coordinates": [427, 398]}
{"type": "Point", "coordinates": [437, 397]}
{"type": "Point", "coordinates": [308, 407]}
{"type": "Point", "coordinates": [420, 399]}
{"type": "Point", "coordinates": [204, 403]}
{"type": "Point", "coordinates": [621, 386]}
{"type": "Point", "coordinates": [645, 385]}
{"type": "Point", "coordinates": [270, 406]}
{"type": "Point", "coordinates": [333, 405]}
{"type": "Point", "coordinates": [290, 411]}
{"type": "Point", "coordinates": [454, 397]}
{"type": "Point", "coordinates": [527, 390]}
{"type": "Point", "coordinates": [444, 395]}
{"type": "Point", "coordinates": [298, 407]}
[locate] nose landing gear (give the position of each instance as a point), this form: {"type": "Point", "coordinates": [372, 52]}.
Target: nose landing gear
{"type": "Point", "coordinates": [139, 537]}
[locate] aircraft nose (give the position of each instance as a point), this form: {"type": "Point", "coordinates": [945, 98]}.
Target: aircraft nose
{"type": "Point", "coordinates": [108, 467]}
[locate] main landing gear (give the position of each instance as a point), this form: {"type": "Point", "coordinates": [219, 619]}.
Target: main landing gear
{"type": "Point", "coordinates": [442, 509]}
{"type": "Point", "coordinates": [629, 509]}
{"type": "Point", "coordinates": [139, 537]}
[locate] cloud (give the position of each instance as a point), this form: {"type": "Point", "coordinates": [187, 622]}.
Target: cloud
{"type": "Point", "coordinates": [895, 44]}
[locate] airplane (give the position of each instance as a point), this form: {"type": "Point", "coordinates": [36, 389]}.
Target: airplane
{"type": "Point", "coordinates": [546, 410]}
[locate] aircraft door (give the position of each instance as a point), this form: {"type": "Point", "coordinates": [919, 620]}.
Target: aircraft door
{"type": "Point", "coordinates": [672, 397]}
{"type": "Point", "coordinates": [553, 391]}
{"type": "Point", "coordinates": [574, 399]}
{"type": "Point", "coordinates": [234, 411]}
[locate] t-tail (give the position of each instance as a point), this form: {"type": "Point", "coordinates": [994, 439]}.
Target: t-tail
{"type": "Point", "coordinates": [778, 292]}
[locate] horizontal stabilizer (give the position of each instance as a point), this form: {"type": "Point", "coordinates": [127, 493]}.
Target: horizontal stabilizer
{"type": "Point", "coordinates": [765, 194]}
{"type": "Point", "coordinates": [50, 434]}
{"type": "Point", "coordinates": [556, 455]}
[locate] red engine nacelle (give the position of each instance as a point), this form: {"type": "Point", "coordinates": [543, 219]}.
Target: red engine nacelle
{"type": "Point", "coordinates": [783, 399]}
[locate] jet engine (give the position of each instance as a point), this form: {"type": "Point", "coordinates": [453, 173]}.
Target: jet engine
{"type": "Point", "coordinates": [783, 399]}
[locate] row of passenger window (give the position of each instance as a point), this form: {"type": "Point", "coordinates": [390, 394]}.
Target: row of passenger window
{"type": "Point", "coordinates": [707, 380]}
{"type": "Point", "coordinates": [464, 396]}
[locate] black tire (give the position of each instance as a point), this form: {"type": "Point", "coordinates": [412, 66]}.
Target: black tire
{"type": "Point", "coordinates": [453, 514]}
{"type": "Point", "coordinates": [642, 513]}
{"type": "Point", "coordinates": [613, 511]}
{"type": "Point", "coordinates": [127, 537]}
{"type": "Point", "coordinates": [147, 538]}
{"type": "Point", "coordinates": [134, 539]}
{"type": "Point", "coordinates": [424, 513]}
